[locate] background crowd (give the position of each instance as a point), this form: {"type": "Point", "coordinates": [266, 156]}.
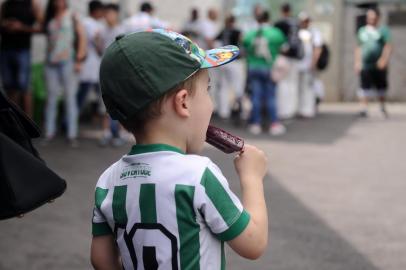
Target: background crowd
{"type": "Point", "coordinates": [276, 76]}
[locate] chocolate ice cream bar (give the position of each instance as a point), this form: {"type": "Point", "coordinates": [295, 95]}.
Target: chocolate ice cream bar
{"type": "Point", "coordinates": [223, 140]}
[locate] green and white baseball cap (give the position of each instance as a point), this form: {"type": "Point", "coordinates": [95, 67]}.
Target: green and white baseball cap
{"type": "Point", "coordinates": [141, 67]}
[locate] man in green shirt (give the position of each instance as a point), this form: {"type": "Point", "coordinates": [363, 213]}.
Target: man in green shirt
{"type": "Point", "coordinates": [262, 46]}
{"type": "Point", "coordinates": [371, 60]}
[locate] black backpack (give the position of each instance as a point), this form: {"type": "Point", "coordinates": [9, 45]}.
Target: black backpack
{"type": "Point", "coordinates": [324, 58]}
{"type": "Point", "coordinates": [293, 48]}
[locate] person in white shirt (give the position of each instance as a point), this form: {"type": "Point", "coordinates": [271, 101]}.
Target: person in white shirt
{"type": "Point", "coordinates": [89, 75]}
{"type": "Point", "coordinates": [112, 130]}
{"type": "Point", "coordinates": [143, 20]}
{"type": "Point", "coordinates": [312, 42]}
{"type": "Point", "coordinates": [191, 26]}
{"type": "Point", "coordinates": [209, 29]}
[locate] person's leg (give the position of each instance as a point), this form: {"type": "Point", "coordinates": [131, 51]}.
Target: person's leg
{"type": "Point", "coordinates": [8, 74]}
{"type": "Point", "coordinates": [70, 87]}
{"type": "Point", "coordinates": [215, 77]}
{"type": "Point", "coordinates": [307, 108]}
{"type": "Point", "coordinates": [237, 78]}
{"type": "Point", "coordinates": [270, 98]}
{"type": "Point", "coordinates": [83, 89]}
{"type": "Point", "coordinates": [256, 93]}
{"type": "Point", "coordinates": [300, 88]}
{"type": "Point", "coordinates": [381, 87]}
{"type": "Point", "coordinates": [288, 92]}
{"type": "Point", "coordinates": [276, 128]}
{"type": "Point", "coordinates": [53, 88]}
{"type": "Point", "coordinates": [364, 92]}
{"type": "Point", "coordinates": [224, 92]}
{"type": "Point", "coordinates": [23, 80]}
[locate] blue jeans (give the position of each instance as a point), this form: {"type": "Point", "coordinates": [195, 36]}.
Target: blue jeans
{"type": "Point", "coordinates": [84, 88]}
{"type": "Point", "coordinates": [15, 66]}
{"type": "Point", "coordinates": [263, 91]}
{"type": "Point", "coordinates": [61, 76]}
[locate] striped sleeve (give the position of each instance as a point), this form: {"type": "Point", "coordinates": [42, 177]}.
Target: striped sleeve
{"type": "Point", "coordinates": [221, 209]}
{"type": "Point", "coordinates": [99, 223]}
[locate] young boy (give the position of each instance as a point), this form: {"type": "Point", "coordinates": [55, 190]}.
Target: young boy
{"type": "Point", "coordinates": [162, 205]}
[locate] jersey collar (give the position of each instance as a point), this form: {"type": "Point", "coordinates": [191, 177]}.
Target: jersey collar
{"type": "Point", "coordinates": [148, 148]}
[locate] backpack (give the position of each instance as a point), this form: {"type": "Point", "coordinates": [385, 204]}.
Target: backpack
{"type": "Point", "coordinates": [324, 58]}
{"type": "Point", "coordinates": [293, 48]}
{"type": "Point", "coordinates": [261, 47]}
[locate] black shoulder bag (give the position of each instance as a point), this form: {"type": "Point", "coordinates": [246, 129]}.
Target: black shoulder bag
{"type": "Point", "coordinates": [26, 182]}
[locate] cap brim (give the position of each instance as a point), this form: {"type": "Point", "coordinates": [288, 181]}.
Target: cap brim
{"type": "Point", "coordinates": [220, 56]}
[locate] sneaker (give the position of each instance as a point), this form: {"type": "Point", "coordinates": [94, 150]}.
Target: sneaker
{"type": "Point", "coordinates": [46, 141]}
{"type": "Point", "coordinates": [104, 141]}
{"type": "Point", "coordinates": [385, 113]}
{"type": "Point", "coordinates": [117, 142]}
{"type": "Point", "coordinates": [277, 129]}
{"type": "Point", "coordinates": [255, 129]}
{"type": "Point", "coordinates": [363, 114]}
{"type": "Point", "coordinates": [74, 143]}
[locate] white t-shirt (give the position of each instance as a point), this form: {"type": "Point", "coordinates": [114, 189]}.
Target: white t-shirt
{"type": "Point", "coordinates": [109, 34]}
{"type": "Point", "coordinates": [208, 30]}
{"type": "Point", "coordinates": [90, 67]}
{"type": "Point", "coordinates": [142, 21]}
{"type": "Point", "coordinates": [167, 209]}
{"type": "Point", "coordinates": [311, 38]}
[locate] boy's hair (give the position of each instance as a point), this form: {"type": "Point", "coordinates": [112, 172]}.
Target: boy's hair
{"type": "Point", "coordinates": [136, 124]}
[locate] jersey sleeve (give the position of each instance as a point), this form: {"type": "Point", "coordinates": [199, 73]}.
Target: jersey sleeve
{"type": "Point", "coordinates": [359, 33]}
{"type": "Point", "coordinates": [222, 211]}
{"type": "Point", "coordinates": [386, 35]}
{"type": "Point", "coordinates": [99, 223]}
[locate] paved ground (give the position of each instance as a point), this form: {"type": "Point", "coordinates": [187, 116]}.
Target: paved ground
{"type": "Point", "coordinates": [335, 193]}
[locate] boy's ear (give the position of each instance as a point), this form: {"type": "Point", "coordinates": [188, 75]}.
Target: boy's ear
{"type": "Point", "coordinates": [181, 103]}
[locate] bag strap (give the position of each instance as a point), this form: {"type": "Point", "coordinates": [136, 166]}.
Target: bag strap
{"type": "Point", "coordinates": [33, 131]}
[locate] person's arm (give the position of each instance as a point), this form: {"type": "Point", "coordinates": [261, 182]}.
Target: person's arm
{"type": "Point", "coordinates": [251, 166]}
{"type": "Point", "coordinates": [316, 56]}
{"type": "Point", "coordinates": [82, 43]}
{"type": "Point", "coordinates": [384, 59]}
{"type": "Point", "coordinates": [317, 45]}
{"type": "Point", "coordinates": [358, 54]}
{"type": "Point", "coordinates": [104, 253]}
{"type": "Point", "coordinates": [38, 15]}
{"type": "Point", "coordinates": [357, 59]}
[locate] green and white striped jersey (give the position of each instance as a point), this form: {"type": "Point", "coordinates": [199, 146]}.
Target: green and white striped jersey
{"type": "Point", "coordinates": [167, 210]}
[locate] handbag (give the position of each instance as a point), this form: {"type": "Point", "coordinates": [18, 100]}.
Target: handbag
{"type": "Point", "coordinates": [26, 182]}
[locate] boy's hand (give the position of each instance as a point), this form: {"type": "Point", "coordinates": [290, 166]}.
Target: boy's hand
{"type": "Point", "coordinates": [251, 163]}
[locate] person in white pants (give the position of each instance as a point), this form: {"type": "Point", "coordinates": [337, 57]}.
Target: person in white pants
{"type": "Point", "coordinates": [230, 78]}
{"type": "Point", "coordinates": [312, 42]}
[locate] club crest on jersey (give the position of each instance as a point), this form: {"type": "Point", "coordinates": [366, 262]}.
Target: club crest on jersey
{"type": "Point", "coordinates": [136, 170]}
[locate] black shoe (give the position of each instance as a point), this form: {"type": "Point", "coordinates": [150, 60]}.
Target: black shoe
{"type": "Point", "coordinates": [385, 113]}
{"type": "Point", "coordinates": [363, 114]}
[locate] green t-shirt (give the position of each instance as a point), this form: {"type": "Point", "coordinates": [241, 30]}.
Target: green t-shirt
{"type": "Point", "coordinates": [262, 46]}
{"type": "Point", "coordinates": [372, 40]}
